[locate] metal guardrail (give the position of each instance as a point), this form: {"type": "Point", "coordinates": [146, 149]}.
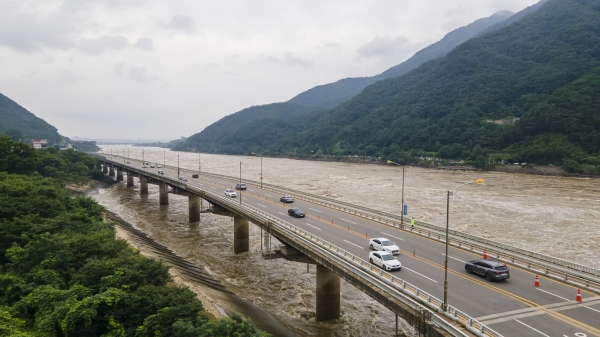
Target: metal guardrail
{"type": "Point", "coordinates": [417, 295]}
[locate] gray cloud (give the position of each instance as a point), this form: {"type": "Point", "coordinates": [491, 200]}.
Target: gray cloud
{"type": "Point", "coordinates": [382, 46]}
{"type": "Point", "coordinates": [102, 44]}
{"type": "Point", "coordinates": [28, 33]}
{"type": "Point", "coordinates": [140, 74]}
{"type": "Point", "coordinates": [180, 22]}
{"type": "Point", "coordinates": [290, 60]}
{"type": "Point", "coordinates": [145, 43]}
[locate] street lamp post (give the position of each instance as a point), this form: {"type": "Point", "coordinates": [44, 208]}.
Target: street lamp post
{"type": "Point", "coordinates": [143, 160]}
{"type": "Point", "coordinates": [240, 183]}
{"type": "Point", "coordinates": [261, 176]}
{"type": "Point", "coordinates": [402, 208]}
{"type": "Point", "coordinates": [199, 164]}
{"type": "Point", "coordinates": [448, 195]}
{"type": "Point", "coordinates": [178, 167]}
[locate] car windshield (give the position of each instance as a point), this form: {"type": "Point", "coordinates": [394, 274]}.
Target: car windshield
{"type": "Point", "coordinates": [387, 257]}
{"type": "Point", "coordinates": [387, 243]}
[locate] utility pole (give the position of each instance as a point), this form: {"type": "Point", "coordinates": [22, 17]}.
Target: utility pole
{"type": "Point", "coordinates": [240, 183]}
{"type": "Point", "coordinates": [261, 176]}
{"type": "Point", "coordinates": [178, 167]}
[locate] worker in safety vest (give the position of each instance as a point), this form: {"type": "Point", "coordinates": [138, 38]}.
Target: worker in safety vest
{"type": "Point", "coordinates": [412, 222]}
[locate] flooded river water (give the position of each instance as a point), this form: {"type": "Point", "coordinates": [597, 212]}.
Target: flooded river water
{"type": "Point", "coordinates": [556, 216]}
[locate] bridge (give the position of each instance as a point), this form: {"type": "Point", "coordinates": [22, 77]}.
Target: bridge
{"type": "Point", "coordinates": [334, 236]}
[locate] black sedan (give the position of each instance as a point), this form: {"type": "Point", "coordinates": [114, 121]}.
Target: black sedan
{"type": "Point", "coordinates": [296, 212]}
{"type": "Point", "coordinates": [492, 270]}
{"type": "Point", "coordinates": [286, 199]}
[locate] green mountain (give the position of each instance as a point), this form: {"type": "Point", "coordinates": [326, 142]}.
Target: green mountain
{"type": "Point", "coordinates": [226, 132]}
{"type": "Point", "coordinates": [19, 123]}
{"type": "Point", "coordinates": [503, 74]}
{"type": "Point", "coordinates": [543, 69]}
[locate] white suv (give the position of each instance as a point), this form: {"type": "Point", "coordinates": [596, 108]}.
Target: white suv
{"type": "Point", "coordinates": [231, 193]}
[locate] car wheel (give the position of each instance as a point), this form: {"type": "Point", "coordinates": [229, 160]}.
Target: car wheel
{"type": "Point", "coordinates": [400, 269]}
{"type": "Point", "coordinates": [488, 277]}
{"type": "Point", "coordinates": [371, 260]}
{"type": "Point", "coordinates": [371, 246]}
{"type": "Point", "coordinates": [468, 269]}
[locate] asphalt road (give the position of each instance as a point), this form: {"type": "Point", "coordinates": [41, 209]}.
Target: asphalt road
{"type": "Point", "coordinates": [513, 308]}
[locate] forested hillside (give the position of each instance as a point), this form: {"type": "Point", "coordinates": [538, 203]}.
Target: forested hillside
{"type": "Point", "coordinates": [542, 68]}
{"type": "Point", "coordinates": [63, 272]}
{"type": "Point", "coordinates": [19, 123]}
{"type": "Point", "coordinates": [228, 133]}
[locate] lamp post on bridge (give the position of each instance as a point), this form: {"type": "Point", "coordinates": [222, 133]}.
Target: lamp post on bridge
{"type": "Point", "coordinates": [448, 195]}
{"type": "Point", "coordinates": [178, 167]}
{"type": "Point", "coordinates": [261, 173]}
{"type": "Point", "coordinates": [199, 165]}
{"type": "Point", "coordinates": [402, 210]}
{"type": "Point", "coordinates": [240, 183]}
{"type": "Point", "coordinates": [143, 160]}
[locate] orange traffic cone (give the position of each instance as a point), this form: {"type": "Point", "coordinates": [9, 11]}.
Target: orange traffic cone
{"type": "Point", "coordinates": [485, 254]}
{"type": "Point", "coordinates": [578, 299]}
{"type": "Point", "coordinates": [537, 281]}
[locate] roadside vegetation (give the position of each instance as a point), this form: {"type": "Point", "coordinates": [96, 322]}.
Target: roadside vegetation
{"type": "Point", "coordinates": [63, 273]}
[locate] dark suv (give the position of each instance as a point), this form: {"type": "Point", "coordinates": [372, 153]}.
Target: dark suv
{"type": "Point", "coordinates": [195, 175]}
{"type": "Point", "coordinates": [492, 270]}
{"type": "Point", "coordinates": [240, 187]}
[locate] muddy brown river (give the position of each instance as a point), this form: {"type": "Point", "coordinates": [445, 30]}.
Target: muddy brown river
{"type": "Point", "coordinates": [556, 216]}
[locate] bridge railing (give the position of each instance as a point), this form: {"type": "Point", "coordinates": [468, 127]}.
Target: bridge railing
{"type": "Point", "coordinates": [420, 297]}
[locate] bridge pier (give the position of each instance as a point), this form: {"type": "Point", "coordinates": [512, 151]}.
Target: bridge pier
{"type": "Point", "coordinates": [143, 185]}
{"type": "Point", "coordinates": [119, 174]}
{"type": "Point", "coordinates": [194, 208]}
{"type": "Point", "coordinates": [105, 168]}
{"type": "Point", "coordinates": [129, 179]}
{"type": "Point", "coordinates": [111, 171]}
{"type": "Point", "coordinates": [163, 194]}
{"type": "Point", "coordinates": [241, 235]}
{"type": "Point", "coordinates": [328, 294]}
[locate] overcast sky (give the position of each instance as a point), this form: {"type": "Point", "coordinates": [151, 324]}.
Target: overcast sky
{"type": "Point", "coordinates": [164, 69]}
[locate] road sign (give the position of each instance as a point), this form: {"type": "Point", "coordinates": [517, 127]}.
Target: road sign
{"type": "Point", "coordinates": [405, 209]}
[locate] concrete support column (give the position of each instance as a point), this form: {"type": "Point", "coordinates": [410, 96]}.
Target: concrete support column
{"type": "Point", "coordinates": [129, 179]}
{"type": "Point", "coordinates": [105, 168]}
{"type": "Point", "coordinates": [143, 185]}
{"type": "Point", "coordinates": [119, 174]}
{"type": "Point", "coordinates": [163, 194]}
{"type": "Point", "coordinates": [328, 294]}
{"type": "Point", "coordinates": [241, 235]}
{"type": "Point", "coordinates": [111, 172]}
{"type": "Point", "coordinates": [194, 207]}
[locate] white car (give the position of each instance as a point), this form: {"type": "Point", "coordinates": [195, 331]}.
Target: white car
{"type": "Point", "coordinates": [182, 178]}
{"type": "Point", "coordinates": [158, 166]}
{"type": "Point", "coordinates": [385, 261]}
{"type": "Point", "coordinates": [151, 165]}
{"type": "Point", "coordinates": [231, 193]}
{"type": "Point", "coordinates": [385, 245]}
{"type": "Point", "coordinates": [161, 172]}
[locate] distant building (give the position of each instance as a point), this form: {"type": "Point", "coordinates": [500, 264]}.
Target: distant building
{"type": "Point", "coordinates": [39, 143]}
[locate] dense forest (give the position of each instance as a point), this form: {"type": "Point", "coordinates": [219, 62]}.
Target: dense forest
{"type": "Point", "coordinates": [63, 273]}
{"type": "Point", "coordinates": [230, 130]}
{"type": "Point", "coordinates": [20, 124]}
{"type": "Point", "coordinates": [541, 69]}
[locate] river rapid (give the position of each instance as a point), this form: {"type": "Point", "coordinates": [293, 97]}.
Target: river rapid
{"type": "Point", "coordinates": [557, 216]}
